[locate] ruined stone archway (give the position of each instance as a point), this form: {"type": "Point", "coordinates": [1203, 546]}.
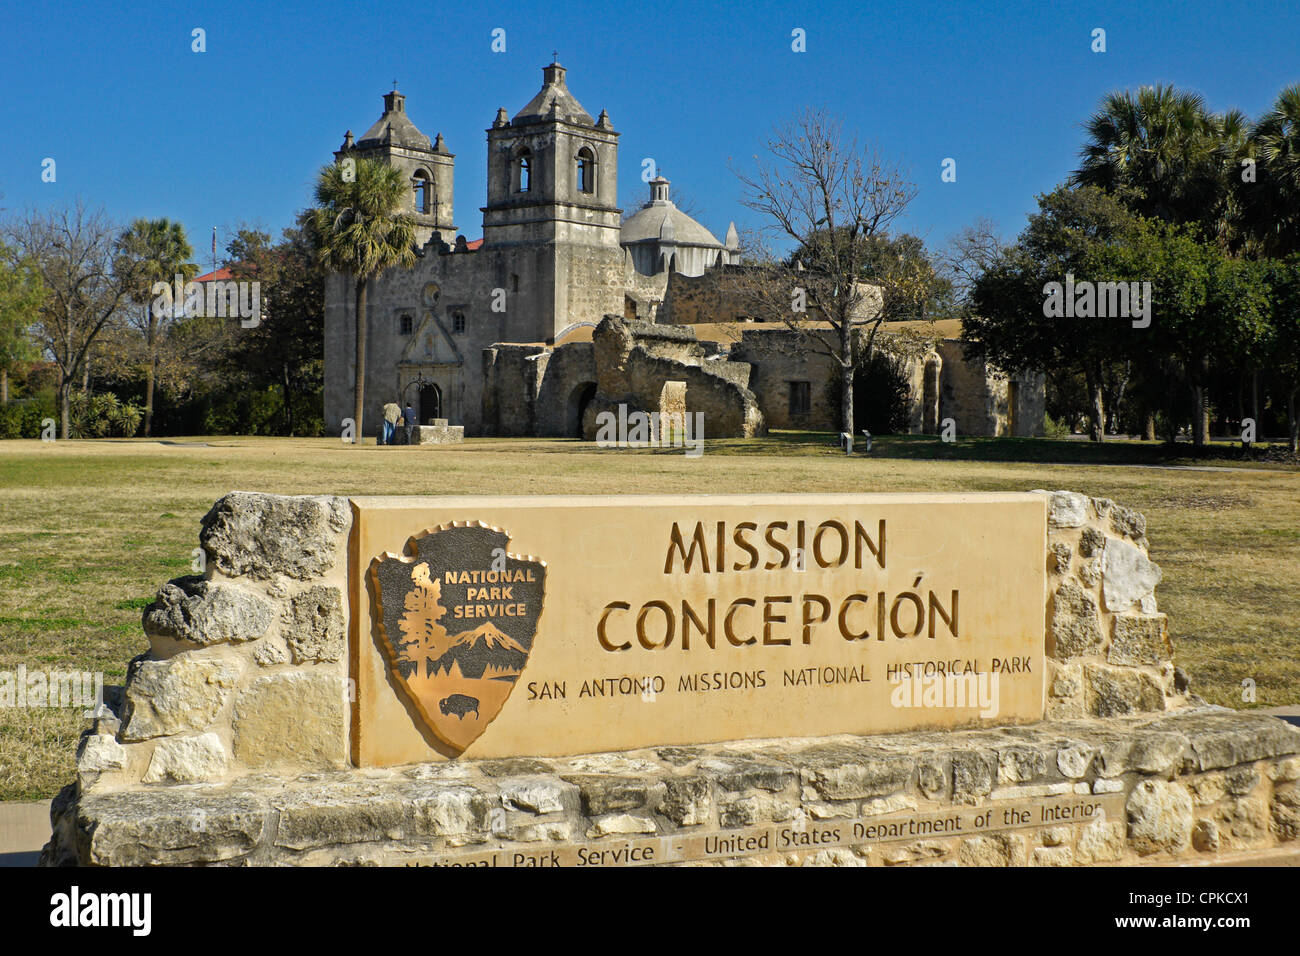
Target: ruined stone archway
{"type": "Point", "coordinates": [579, 399]}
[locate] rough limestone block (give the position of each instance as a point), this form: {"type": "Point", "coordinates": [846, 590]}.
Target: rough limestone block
{"type": "Point", "coordinates": [207, 612]}
{"type": "Point", "coordinates": [973, 774]}
{"type": "Point", "coordinates": [440, 434]}
{"type": "Point", "coordinates": [621, 823]}
{"type": "Point", "coordinates": [100, 753]}
{"type": "Point", "coordinates": [837, 775]}
{"type": "Point", "coordinates": [1127, 575]}
{"type": "Point", "coordinates": [168, 827]}
{"type": "Point", "coordinates": [1076, 626]}
{"type": "Point", "coordinates": [1074, 760]}
{"type": "Point", "coordinates": [265, 535]}
{"type": "Point", "coordinates": [1061, 554]}
{"type": "Point", "coordinates": [290, 718]}
{"type": "Point", "coordinates": [995, 849]}
{"type": "Point", "coordinates": [687, 801]}
{"type": "Point", "coordinates": [1286, 811]}
{"type": "Point", "coordinates": [358, 811]}
{"type": "Point", "coordinates": [1159, 817]}
{"type": "Point", "coordinates": [313, 625]}
{"type": "Point", "coordinates": [1158, 752]}
{"type": "Point", "coordinates": [1140, 639]}
{"type": "Point", "coordinates": [1067, 509]}
{"type": "Point", "coordinates": [188, 760]}
{"type": "Point", "coordinates": [538, 795]}
{"type": "Point", "coordinates": [1126, 521]}
{"type": "Point", "coordinates": [178, 695]}
{"type": "Point", "coordinates": [1112, 691]}
{"type": "Point", "coordinates": [1091, 542]}
{"type": "Point", "coordinates": [1100, 842]}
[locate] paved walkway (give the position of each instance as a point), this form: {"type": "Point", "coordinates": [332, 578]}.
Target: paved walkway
{"type": "Point", "coordinates": [24, 829]}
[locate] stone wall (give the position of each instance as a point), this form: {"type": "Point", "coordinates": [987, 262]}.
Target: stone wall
{"type": "Point", "coordinates": [984, 401]}
{"type": "Point", "coordinates": [246, 668]}
{"type": "Point", "coordinates": [1175, 787]}
{"type": "Point", "coordinates": [229, 743]}
{"type": "Point", "coordinates": [1108, 645]}
{"type": "Point", "coordinates": [634, 359]}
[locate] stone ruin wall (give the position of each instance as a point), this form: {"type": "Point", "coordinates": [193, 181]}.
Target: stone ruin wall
{"type": "Point", "coordinates": [229, 742]}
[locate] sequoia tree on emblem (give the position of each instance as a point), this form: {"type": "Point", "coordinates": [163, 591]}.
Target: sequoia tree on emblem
{"type": "Point", "coordinates": [457, 618]}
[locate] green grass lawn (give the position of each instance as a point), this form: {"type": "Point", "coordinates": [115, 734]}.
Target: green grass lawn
{"type": "Point", "coordinates": [90, 529]}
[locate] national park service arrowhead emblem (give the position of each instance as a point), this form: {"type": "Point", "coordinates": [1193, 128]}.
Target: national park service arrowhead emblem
{"type": "Point", "coordinates": [457, 620]}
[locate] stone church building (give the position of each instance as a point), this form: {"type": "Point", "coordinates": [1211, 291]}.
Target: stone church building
{"type": "Point", "coordinates": [565, 307]}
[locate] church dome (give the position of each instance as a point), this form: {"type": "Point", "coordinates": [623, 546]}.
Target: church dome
{"type": "Point", "coordinates": [661, 220]}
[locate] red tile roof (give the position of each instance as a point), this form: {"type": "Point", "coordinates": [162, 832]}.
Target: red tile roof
{"type": "Point", "coordinates": [221, 275]}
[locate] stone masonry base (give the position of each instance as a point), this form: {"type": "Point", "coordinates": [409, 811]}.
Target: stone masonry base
{"type": "Point", "coordinates": [1181, 786]}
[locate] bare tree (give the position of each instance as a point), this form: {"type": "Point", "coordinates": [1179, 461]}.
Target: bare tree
{"type": "Point", "coordinates": [969, 254]}
{"type": "Point", "coordinates": [74, 250]}
{"type": "Point", "coordinates": [833, 199]}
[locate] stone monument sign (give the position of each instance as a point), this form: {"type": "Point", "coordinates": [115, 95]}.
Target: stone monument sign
{"type": "Point", "coordinates": [510, 627]}
{"type": "Point", "coordinates": [844, 680]}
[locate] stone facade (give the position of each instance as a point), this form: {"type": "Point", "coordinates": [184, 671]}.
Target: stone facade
{"type": "Point", "coordinates": [1183, 787]}
{"type": "Point", "coordinates": [1108, 644]}
{"type": "Point", "coordinates": [229, 743]}
{"type": "Point", "coordinates": [246, 666]}
{"type": "Point", "coordinates": [446, 334]}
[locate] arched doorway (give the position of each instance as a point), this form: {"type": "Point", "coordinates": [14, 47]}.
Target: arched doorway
{"type": "Point", "coordinates": [579, 399]}
{"type": "Point", "coordinates": [430, 403]}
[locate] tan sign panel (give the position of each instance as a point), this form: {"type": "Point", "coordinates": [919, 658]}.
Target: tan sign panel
{"type": "Point", "coordinates": [547, 626]}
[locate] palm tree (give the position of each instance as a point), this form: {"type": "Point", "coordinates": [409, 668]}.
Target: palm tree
{"type": "Point", "coordinates": [359, 231]}
{"type": "Point", "coordinates": [1160, 147]}
{"type": "Point", "coordinates": [1276, 139]}
{"type": "Point", "coordinates": [153, 250]}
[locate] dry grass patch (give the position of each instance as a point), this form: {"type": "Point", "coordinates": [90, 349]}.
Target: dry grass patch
{"type": "Point", "coordinates": [89, 530]}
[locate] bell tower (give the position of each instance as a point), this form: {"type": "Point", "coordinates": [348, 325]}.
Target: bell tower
{"type": "Point", "coordinates": [428, 166]}
{"type": "Point", "coordinates": [553, 188]}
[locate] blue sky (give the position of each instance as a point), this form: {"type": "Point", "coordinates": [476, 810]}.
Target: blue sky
{"type": "Point", "coordinates": [143, 126]}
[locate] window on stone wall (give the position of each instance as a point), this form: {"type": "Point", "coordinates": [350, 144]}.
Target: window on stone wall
{"type": "Point", "coordinates": [800, 398]}
{"type": "Point", "coordinates": [525, 177]}
{"type": "Point", "coordinates": [408, 325]}
{"type": "Point", "coordinates": [586, 171]}
{"type": "Point", "coordinates": [458, 322]}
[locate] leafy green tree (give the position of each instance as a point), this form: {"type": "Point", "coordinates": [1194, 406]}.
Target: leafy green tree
{"type": "Point", "coordinates": [21, 295]}
{"type": "Point", "coordinates": [284, 351]}
{"type": "Point", "coordinates": [1275, 210]}
{"type": "Point", "coordinates": [1282, 339]}
{"type": "Point", "coordinates": [153, 250]}
{"type": "Point", "coordinates": [1012, 328]}
{"type": "Point", "coordinates": [1160, 147]}
{"type": "Point", "coordinates": [358, 230]}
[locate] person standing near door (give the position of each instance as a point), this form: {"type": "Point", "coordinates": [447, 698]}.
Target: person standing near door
{"type": "Point", "coordinates": [409, 415]}
{"type": "Point", "coordinates": [392, 412]}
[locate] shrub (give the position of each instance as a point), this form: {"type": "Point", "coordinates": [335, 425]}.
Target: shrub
{"type": "Point", "coordinates": [22, 418]}
{"type": "Point", "coordinates": [101, 416]}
